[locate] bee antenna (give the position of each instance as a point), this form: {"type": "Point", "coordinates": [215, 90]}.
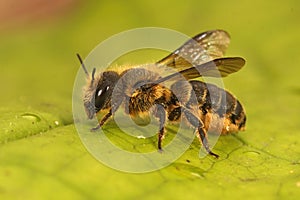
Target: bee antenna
{"type": "Point", "coordinates": [82, 64]}
{"type": "Point", "coordinates": [93, 75]}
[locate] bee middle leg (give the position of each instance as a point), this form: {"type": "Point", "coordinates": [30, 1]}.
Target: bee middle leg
{"type": "Point", "coordinates": [160, 113]}
{"type": "Point", "coordinates": [196, 122]}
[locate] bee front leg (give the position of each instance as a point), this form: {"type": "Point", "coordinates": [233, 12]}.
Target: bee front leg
{"type": "Point", "coordinates": [161, 115]}
{"type": "Point", "coordinates": [102, 121]}
{"type": "Point", "coordinates": [196, 122]}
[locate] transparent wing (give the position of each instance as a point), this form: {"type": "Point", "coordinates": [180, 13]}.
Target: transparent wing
{"type": "Point", "coordinates": [219, 67]}
{"type": "Point", "coordinates": [200, 49]}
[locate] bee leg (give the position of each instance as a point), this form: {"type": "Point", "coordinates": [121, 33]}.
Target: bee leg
{"type": "Point", "coordinates": [203, 137]}
{"type": "Point", "coordinates": [161, 115]}
{"type": "Point", "coordinates": [102, 121]}
{"type": "Point", "coordinates": [200, 129]}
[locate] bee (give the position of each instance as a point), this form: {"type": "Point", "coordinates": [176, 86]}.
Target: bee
{"type": "Point", "coordinates": [143, 92]}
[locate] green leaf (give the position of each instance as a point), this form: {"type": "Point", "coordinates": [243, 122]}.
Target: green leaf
{"type": "Point", "coordinates": [42, 156]}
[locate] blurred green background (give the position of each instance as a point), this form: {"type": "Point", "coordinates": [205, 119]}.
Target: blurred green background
{"type": "Point", "coordinates": [41, 156]}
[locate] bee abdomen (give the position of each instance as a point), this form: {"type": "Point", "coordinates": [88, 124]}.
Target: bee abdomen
{"type": "Point", "coordinates": [220, 103]}
{"type": "Point", "coordinates": [211, 97]}
{"type": "Point", "coordinates": [238, 116]}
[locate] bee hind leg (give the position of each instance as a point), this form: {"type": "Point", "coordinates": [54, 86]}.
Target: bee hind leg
{"type": "Point", "coordinates": [203, 136]}
{"type": "Point", "coordinates": [196, 122]}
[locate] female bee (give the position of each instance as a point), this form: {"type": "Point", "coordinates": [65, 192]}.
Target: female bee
{"type": "Point", "coordinates": [142, 90]}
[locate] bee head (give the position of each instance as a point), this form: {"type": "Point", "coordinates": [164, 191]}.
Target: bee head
{"type": "Point", "coordinates": [98, 91]}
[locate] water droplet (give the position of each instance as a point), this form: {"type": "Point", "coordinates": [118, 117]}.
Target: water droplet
{"type": "Point", "coordinates": [31, 117]}
{"type": "Point", "coordinates": [252, 153]}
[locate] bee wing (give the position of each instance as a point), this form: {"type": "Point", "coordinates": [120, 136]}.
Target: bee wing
{"type": "Point", "coordinates": [200, 49]}
{"type": "Point", "coordinates": [219, 67]}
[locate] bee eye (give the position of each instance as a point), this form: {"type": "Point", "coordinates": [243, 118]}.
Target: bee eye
{"type": "Point", "coordinates": [100, 98]}
{"type": "Point", "coordinates": [99, 93]}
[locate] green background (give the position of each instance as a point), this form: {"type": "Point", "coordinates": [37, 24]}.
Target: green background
{"type": "Point", "coordinates": [42, 157]}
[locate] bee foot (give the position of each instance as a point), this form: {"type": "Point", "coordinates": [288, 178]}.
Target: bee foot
{"type": "Point", "coordinates": [160, 150]}
{"type": "Point", "coordinates": [213, 154]}
{"type": "Point", "coordinates": [95, 128]}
